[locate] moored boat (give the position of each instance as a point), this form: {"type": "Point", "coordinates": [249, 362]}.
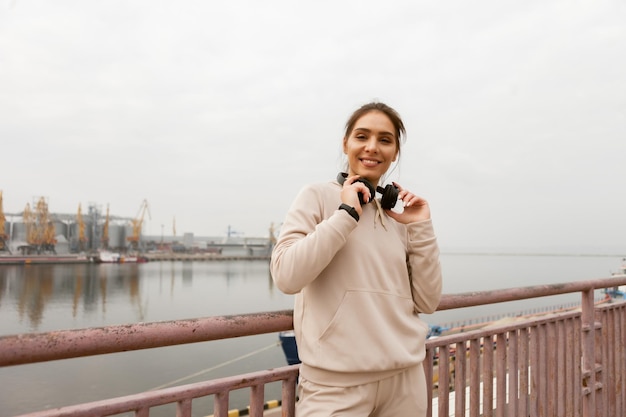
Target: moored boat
{"type": "Point", "coordinates": [622, 268]}
{"type": "Point", "coordinates": [618, 291]}
{"type": "Point", "coordinates": [106, 257]}
{"type": "Point", "coordinates": [128, 259]}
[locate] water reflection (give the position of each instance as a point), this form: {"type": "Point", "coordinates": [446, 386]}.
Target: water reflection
{"type": "Point", "coordinates": [77, 290]}
{"type": "Point", "coordinates": [187, 273]}
{"type": "Point", "coordinates": [51, 297]}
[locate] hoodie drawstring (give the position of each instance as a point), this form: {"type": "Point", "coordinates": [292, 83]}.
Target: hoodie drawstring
{"type": "Point", "coordinates": [379, 214]}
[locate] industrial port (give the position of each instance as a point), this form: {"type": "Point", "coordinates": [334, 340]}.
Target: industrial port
{"type": "Point", "coordinates": [37, 234]}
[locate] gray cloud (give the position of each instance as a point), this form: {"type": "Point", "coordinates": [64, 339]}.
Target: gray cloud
{"type": "Point", "coordinates": [217, 114]}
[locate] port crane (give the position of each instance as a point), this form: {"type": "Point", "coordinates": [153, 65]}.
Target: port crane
{"type": "Point", "coordinates": [272, 236]}
{"type": "Point", "coordinates": [137, 224]}
{"type": "Point", "coordinates": [3, 235]}
{"type": "Point", "coordinates": [82, 238]}
{"type": "Point", "coordinates": [39, 228]}
{"type": "Point", "coordinates": [105, 230]}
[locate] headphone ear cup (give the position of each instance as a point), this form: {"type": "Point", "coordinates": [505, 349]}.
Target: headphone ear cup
{"type": "Point", "coordinates": [389, 197]}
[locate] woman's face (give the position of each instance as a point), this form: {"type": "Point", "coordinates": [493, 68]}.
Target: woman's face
{"type": "Point", "coordinates": [371, 146]}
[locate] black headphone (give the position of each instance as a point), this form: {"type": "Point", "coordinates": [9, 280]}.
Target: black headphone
{"type": "Point", "coordinates": [389, 193]}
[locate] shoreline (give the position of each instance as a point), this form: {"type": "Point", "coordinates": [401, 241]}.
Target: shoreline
{"type": "Point", "coordinates": [150, 257]}
{"type": "Point", "coordinates": [43, 259]}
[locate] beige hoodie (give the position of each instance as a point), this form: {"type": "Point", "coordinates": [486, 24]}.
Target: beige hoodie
{"type": "Point", "coordinates": [359, 287]}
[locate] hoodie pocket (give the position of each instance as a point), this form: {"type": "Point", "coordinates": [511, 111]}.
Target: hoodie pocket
{"type": "Point", "coordinates": [372, 331]}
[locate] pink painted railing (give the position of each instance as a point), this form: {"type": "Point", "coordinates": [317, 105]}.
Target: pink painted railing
{"type": "Point", "coordinates": [569, 363]}
{"type": "Point", "coordinates": [563, 364]}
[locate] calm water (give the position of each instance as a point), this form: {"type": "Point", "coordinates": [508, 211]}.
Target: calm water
{"type": "Point", "coordinates": [43, 298]}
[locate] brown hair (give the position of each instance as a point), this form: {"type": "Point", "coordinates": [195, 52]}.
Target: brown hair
{"type": "Point", "coordinates": [383, 108]}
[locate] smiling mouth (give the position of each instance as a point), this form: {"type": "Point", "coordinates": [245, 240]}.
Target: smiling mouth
{"type": "Point", "coordinates": [369, 162]}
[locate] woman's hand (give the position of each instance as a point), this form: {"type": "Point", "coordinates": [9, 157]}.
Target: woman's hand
{"type": "Point", "coordinates": [350, 193]}
{"type": "Point", "coordinates": [415, 208]}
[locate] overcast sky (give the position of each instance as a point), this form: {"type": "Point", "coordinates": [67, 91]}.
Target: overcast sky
{"type": "Point", "coordinates": [217, 113]}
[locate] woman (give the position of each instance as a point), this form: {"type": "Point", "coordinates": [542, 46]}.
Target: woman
{"type": "Point", "coordinates": [361, 273]}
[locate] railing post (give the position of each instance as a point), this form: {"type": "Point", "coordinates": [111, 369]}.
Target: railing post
{"type": "Point", "coordinates": [220, 404]}
{"type": "Point", "coordinates": [256, 400]}
{"type": "Point", "coordinates": [589, 383]}
{"type": "Point", "coordinates": [289, 397]}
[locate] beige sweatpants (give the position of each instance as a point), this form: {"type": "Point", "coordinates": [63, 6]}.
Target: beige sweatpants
{"type": "Point", "coordinates": [401, 395]}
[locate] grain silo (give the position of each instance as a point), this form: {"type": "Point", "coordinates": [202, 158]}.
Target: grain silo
{"type": "Point", "coordinates": [19, 232]}
{"type": "Point", "coordinates": [60, 228]}
{"type": "Point", "coordinates": [117, 236]}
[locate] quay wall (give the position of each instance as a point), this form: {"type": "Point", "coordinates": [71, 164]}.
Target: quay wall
{"type": "Point", "coordinates": [171, 256]}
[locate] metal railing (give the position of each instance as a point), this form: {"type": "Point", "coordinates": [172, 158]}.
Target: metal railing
{"type": "Point", "coordinates": [570, 363]}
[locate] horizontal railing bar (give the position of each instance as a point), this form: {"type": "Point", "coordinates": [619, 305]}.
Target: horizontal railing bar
{"type": "Point", "coordinates": [473, 299]}
{"type": "Point", "coordinates": [151, 399]}
{"type": "Point", "coordinates": [526, 322]}
{"type": "Point", "coordinates": [40, 347]}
